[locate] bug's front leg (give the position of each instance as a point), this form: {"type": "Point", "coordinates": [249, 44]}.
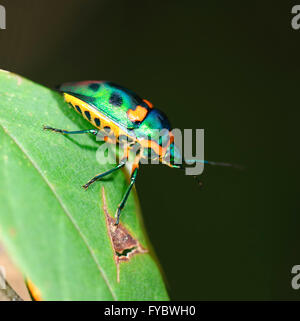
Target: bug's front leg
{"type": "Point", "coordinates": [66, 132]}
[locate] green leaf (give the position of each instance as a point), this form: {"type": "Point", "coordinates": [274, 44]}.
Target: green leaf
{"type": "Point", "coordinates": [54, 230]}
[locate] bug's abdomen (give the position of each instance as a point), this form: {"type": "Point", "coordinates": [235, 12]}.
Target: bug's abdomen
{"type": "Point", "coordinates": [97, 119]}
{"type": "Point", "coordinates": [119, 104]}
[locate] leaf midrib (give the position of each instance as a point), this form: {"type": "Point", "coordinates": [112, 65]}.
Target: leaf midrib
{"type": "Point", "coordinates": [64, 209]}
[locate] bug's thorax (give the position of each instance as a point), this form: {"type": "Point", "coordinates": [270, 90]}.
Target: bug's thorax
{"type": "Point", "coordinates": [154, 134]}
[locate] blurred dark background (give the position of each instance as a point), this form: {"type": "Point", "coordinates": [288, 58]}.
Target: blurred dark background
{"type": "Point", "coordinates": [229, 67]}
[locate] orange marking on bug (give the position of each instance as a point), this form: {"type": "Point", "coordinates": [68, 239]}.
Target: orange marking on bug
{"type": "Point", "coordinates": [136, 163]}
{"type": "Point", "coordinates": [150, 105]}
{"type": "Point", "coordinates": [138, 114]}
{"type": "Point", "coordinates": [152, 144]}
{"type": "Point", "coordinates": [171, 140]}
{"type": "Point", "coordinates": [34, 291]}
{"type": "Point", "coordinates": [134, 167]}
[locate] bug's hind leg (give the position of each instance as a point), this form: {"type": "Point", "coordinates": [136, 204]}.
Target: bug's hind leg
{"type": "Point", "coordinates": [99, 176]}
{"type": "Point", "coordinates": [66, 132]}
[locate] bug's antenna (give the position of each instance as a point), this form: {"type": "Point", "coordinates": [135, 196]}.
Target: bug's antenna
{"type": "Point", "coordinates": [191, 161]}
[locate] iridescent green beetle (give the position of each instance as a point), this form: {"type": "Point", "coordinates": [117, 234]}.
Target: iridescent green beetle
{"type": "Point", "coordinates": [121, 115]}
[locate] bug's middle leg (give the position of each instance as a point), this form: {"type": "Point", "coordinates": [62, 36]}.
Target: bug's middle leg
{"type": "Point", "coordinates": [99, 176]}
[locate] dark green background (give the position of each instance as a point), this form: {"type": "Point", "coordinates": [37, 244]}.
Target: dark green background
{"type": "Point", "coordinates": [230, 67]}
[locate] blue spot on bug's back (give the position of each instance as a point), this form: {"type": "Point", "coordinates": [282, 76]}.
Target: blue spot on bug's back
{"type": "Point", "coordinates": [116, 99]}
{"type": "Point", "coordinates": [135, 98]}
{"type": "Point", "coordinates": [97, 121]}
{"type": "Point", "coordinates": [94, 86]}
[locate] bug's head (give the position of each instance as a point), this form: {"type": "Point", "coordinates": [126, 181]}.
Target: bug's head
{"type": "Point", "coordinates": [172, 157]}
